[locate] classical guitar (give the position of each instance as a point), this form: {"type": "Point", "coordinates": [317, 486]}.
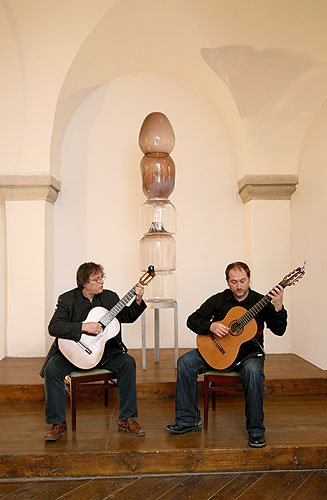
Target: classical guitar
{"type": "Point", "coordinates": [87, 352]}
{"type": "Point", "coordinates": [221, 352]}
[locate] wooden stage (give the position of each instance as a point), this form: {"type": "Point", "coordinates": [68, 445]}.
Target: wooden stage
{"type": "Point", "coordinates": [295, 417]}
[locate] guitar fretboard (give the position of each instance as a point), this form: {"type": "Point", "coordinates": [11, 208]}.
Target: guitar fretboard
{"type": "Point", "coordinates": [254, 311]}
{"type": "Point", "coordinates": [107, 318]}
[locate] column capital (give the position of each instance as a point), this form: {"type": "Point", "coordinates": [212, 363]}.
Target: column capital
{"type": "Point", "coordinates": [24, 187]}
{"type": "Point", "coordinates": [267, 187]}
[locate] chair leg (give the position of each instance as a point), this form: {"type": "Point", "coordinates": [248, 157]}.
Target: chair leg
{"type": "Point", "coordinates": [213, 396]}
{"type": "Point", "coordinates": [73, 403]}
{"type": "Point", "coordinates": [106, 392]}
{"type": "Point", "coordinates": [205, 402]}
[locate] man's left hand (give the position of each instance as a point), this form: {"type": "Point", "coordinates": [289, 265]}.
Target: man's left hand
{"type": "Point", "coordinates": [276, 295]}
{"type": "Point", "coordinates": [139, 291]}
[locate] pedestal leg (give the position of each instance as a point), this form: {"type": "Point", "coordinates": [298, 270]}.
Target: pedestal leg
{"type": "Point", "coordinates": [143, 342]}
{"type": "Point", "coordinates": [176, 332]}
{"type": "Point", "coordinates": [156, 335]}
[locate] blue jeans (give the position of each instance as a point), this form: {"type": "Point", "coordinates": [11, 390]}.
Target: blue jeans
{"type": "Point", "coordinates": [191, 364]}
{"type": "Point", "coordinates": [56, 369]}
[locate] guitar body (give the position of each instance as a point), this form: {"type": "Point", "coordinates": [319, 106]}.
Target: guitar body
{"type": "Point", "coordinates": [221, 352]}
{"type": "Point", "coordinates": [87, 352]}
{"type": "Point", "coordinates": [223, 357]}
{"type": "Point", "coordinates": [89, 358]}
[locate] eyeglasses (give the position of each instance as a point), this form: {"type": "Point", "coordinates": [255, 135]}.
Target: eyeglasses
{"type": "Point", "coordinates": [98, 280]}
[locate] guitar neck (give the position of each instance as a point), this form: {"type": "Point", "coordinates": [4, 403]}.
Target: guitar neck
{"type": "Point", "coordinates": [254, 311]}
{"type": "Point", "coordinates": [118, 307]}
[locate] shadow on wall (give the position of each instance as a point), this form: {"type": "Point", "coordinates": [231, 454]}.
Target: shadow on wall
{"type": "Point", "coordinates": [274, 82]}
{"type": "Point", "coordinates": [277, 93]}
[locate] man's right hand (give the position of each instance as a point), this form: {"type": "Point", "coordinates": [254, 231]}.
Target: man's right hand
{"type": "Point", "coordinates": [219, 329]}
{"type": "Point", "coordinates": [92, 328]}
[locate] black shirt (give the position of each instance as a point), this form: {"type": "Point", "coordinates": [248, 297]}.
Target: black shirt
{"type": "Point", "coordinates": [88, 305]}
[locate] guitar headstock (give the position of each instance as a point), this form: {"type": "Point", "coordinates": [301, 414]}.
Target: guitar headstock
{"type": "Point", "coordinates": [293, 277]}
{"type": "Point", "coordinates": [147, 276]}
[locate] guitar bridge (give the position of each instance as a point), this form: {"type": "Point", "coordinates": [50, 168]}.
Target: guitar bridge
{"type": "Point", "coordinates": [218, 344]}
{"type": "Point", "coordinates": [84, 347]}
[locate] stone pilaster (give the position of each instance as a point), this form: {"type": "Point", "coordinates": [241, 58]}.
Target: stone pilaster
{"type": "Point", "coordinates": [27, 233]}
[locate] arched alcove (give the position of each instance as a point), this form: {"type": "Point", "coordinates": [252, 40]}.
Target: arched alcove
{"type": "Point", "coordinates": [128, 39]}
{"type": "Point", "coordinates": [97, 212]}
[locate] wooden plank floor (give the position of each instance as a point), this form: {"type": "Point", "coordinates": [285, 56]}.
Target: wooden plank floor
{"type": "Point", "coordinates": [289, 485]}
{"type": "Point", "coordinates": [296, 431]}
{"type": "Point", "coordinates": [296, 439]}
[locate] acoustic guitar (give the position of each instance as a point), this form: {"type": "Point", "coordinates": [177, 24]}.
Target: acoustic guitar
{"type": "Point", "coordinates": [221, 352]}
{"type": "Point", "coordinates": [87, 352]}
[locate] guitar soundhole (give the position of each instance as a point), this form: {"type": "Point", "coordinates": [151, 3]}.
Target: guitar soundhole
{"type": "Point", "coordinates": [235, 329]}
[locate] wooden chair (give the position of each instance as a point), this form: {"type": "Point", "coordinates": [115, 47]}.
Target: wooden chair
{"type": "Point", "coordinates": [88, 380]}
{"type": "Point", "coordinates": [218, 381]}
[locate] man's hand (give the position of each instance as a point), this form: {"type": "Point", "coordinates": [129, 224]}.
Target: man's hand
{"type": "Point", "coordinates": [276, 295]}
{"type": "Point", "coordinates": [219, 329]}
{"type": "Point", "coordinates": [139, 291]}
{"type": "Point", "coordinates": [92, 328]}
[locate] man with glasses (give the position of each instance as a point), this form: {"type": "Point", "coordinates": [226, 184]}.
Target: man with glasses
{"type": "Point", "coordinates": [68, 322]}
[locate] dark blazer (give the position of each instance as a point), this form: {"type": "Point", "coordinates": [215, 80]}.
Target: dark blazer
{"type": "Point", "coordinates": [67, 319]}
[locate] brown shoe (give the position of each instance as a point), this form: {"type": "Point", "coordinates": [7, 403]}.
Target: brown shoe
{"type": "Point", "coordinates": [131, 425]}
{"type": "Point", "coordinates": [56, 431]}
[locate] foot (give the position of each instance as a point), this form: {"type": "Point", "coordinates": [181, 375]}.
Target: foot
{"type": "Point", "coordinates": [131, 425]}
{"type": "Point", "coordinates": [257, 441]}
{"type": "Point", "coordinates": [56, 431]}
{"type": "Point", "coordinates": [181, 429]}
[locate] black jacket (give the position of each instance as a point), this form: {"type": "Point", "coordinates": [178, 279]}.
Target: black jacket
{"type": "Point", "coordinates": [67, 320]}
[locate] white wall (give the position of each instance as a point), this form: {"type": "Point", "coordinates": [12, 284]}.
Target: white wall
{"type": "Point", "coordinates": [97, 213]}
{"type": "Point", "coordinates": [39, 39]}
{"type": "Point", "coordinates": [309, 241]}
{"type": "Point", "coordinates": [3, 280]}
{"type": "Point", "coordinates": [267, 229]}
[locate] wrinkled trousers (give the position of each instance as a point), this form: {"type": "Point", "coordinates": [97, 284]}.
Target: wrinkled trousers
{"type": "Point", "coordinates": [192, 364]}
{"type": "Point", "coordinates": [56, 369]}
